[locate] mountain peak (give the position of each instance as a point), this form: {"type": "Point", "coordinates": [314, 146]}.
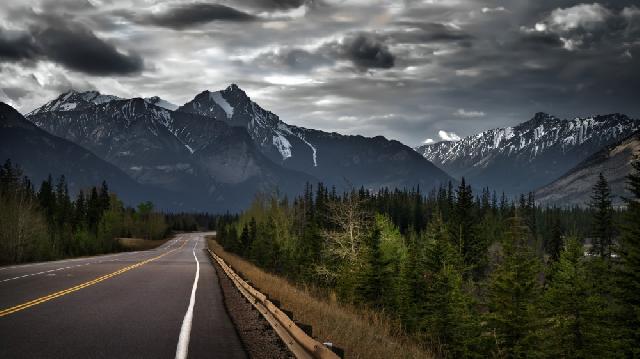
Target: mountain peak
{"type": "Point", "coordinates": [74, 100]}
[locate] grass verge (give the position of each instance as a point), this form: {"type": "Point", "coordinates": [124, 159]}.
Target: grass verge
{"type": "Point", "coordinates": [139, 244]}
{"type": "Point", "coordinates": [361, 333]}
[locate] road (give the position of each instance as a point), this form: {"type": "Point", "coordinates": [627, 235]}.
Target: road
{"type": "Point", "coordinates": [161, 303]}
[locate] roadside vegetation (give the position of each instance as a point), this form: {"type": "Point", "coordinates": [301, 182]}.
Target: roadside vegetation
{"type": "Point", "coordinates": [366, 333]}
{"type": "Point", "coordinates": [464, 275]}
{"type": "Point", "coordinates": [48, 224]}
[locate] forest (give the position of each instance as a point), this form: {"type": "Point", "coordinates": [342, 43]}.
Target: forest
{"type": "Point", "coordinates": [467, 275]}
{"type": "Point", "coordinates": [50, 224]}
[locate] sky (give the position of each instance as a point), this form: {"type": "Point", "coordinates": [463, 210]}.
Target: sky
{"type": "Point", "coordinates": [413, 70]}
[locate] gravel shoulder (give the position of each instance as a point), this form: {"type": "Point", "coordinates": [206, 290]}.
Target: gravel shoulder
{"type": "Point", "coordinates": [257, 336]}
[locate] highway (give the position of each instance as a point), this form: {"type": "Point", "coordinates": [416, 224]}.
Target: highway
{"type": "Point", "coordinates": [160, 303]}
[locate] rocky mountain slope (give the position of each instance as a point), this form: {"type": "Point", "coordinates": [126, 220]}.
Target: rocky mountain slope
{"type": "Point", "coordinates": [525, 157]}
{"type": "Point", "coordinates": [331, 157]}
{"type": "Point", "coordinates": [41, 154]}
{"type": "Point", "coordinates": [151, 145]}
{"type": "Point", "coordinates": [575, 186]}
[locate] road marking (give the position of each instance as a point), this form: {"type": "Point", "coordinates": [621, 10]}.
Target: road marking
{"type": "Point", "coordinates": [185, 330]}
{"type": "Point", "coordinates": [166, 245]}
{"type": "Point", "coordinates": [62, 268]}
{"type": "Point", "coordinates": [51, 296]}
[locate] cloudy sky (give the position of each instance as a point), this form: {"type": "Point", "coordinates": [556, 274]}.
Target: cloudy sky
{"type": "Point", "coordinates": [410, 70]}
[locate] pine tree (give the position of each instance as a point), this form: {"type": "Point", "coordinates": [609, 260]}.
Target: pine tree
{"type": "Point", "coordinates": [573, 311]}
{"type": "Point", "coordinates": [602, 230]}
{"type": "Point", "coordinates": [373, 282]}
{"type": "Point", "coordinates": [514, 292]}
{"type": "Point", "coordinates": [628, 273]}
{"type": "Point", "coordinates": [556, 241]}
{"type": "Point", "coordinates": [444, 308]}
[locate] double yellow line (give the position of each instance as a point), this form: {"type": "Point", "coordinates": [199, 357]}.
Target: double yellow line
{"type": "Point", "coordinates": [46, 298]}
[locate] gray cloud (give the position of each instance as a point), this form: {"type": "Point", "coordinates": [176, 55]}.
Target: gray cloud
{"type": "Point", "coordinates": [364, 50]}
{"type": "Point", "coordinates": [275, 4]}
{"type": "Point", "coordinates": [17, 46]}
{"type": "Point", "coordinates": [69, 44]}
{"type": "Point", "coordinates": [79, 49]}
{"type": "Point", "coordinates": [188, 15]}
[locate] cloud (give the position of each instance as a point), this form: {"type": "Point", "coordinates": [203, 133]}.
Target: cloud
{"type": "Point", "coordinates": [275, 4]}
{"type": "Point", "coordinates": [365, 51]}
{"type": "Point", "coordinates": [293, 59]}
{"type": "Point", "coordinates": [428, 141]}
{"type": "Point", "coordinates": [448, 136]}
{"type": "Point", "coordinates": [189, 15]}
{"type": "Point", "coordinates": [586, 16]}
{"type": "Point", "coordinates": [468, 114]}
{"type": "Point", "coordinates": [486, 10]}
{"type": "Point", "coordinates": [17, 46]}
{"type": "Point", "coordinates": [585, 26]}
{"type": "Point", "coordinates": [70, 45]}
{"type": "Point", "coordinates": [79, 49]}
{"type": "Point", "coordinates": [427, 32]}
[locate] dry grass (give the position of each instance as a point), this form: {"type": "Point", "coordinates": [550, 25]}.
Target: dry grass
{"type": "Point", "coordinates": [362, 333]}
{"type": "Point", "coordinates": [138, 244]}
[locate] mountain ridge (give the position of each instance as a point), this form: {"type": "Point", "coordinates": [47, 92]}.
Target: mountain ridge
{"type": "Point", "coordinates": [522, 158]}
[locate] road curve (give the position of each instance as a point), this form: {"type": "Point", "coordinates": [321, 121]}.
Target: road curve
{"type": "Point", "coordinates": [161, 303]}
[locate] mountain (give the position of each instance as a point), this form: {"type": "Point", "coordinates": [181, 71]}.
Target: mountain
{"type": "Point", "coordinates": [333, 158]}
{"type": "Point", "coordinates": [41, 154]}
{"type": "Point", "coordinates": [525, 157]}
{"type": "Point", "coordinates": [74, 101]}
{"type": "Point", "coordinates": [155, 100]}
{"type": "Point", "coordinates": [575, 187]}
{"type": "Point", "coordinates": [185, 153]}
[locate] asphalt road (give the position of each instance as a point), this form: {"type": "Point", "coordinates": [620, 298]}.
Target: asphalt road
{"type": "Point", "coordinates": [161, 303]}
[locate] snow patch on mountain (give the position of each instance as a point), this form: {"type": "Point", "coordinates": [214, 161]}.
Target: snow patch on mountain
{"type": "Point", "coordinates": [282, 144]}
{"type": "Point", "coordinates": [218, 99]}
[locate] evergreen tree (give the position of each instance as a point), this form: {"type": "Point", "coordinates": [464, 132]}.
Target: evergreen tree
{"type": "Point", "coordinates": [514, 292]}
{"type": "Point", "coordinates": [574, 316]}
{"type": "Point", "coordinates": [556, 240]}
{"type": "Point", "coordinates": [602, 218]}
{"type": "Point", "coordinates": [628, 273]}
{"type": "Point", "coordinates": [444, 308]}
{"type": "Point", "coordinates": [373, 283]}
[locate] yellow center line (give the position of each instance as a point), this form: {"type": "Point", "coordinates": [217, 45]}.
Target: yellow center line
{"type": "Point", "coordinates": [48, 297]}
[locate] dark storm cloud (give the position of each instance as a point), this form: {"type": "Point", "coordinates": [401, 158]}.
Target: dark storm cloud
{"type": "Point", "coordinates": [78, 48]}
{"type": "Point", "coordinates": [364, 50]}
{"type": "Point", "coordinates": [71, 45]}
{"type": "Point", "coordinates": [275, 4]}
{"type": "Point", "coordinates": [184, 16]}
{"type": "Point", "coordinates": [17, 46]}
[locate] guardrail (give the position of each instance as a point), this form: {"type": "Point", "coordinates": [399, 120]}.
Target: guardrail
{"type": "Point", "coordinates": [297, 340]}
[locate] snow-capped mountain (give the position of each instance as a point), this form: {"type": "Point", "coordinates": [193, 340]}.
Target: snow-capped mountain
{"type": "Point", "coordinates": [74, 101]}
{"type": "Point", "coordinates": [523, 158]}
{"type": "Point", "coordinates": [330, 157]}
{"type": "Point", "coordinates": [155, 147]}
{"type": "Point", "coordinates": [226, 146]}
{"type": "Point", "coordinates": [575, 187]}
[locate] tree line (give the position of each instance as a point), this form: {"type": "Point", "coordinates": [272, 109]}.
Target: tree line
{"type": "Point", "coordinates": [470, 275]}
{"type": "Point", "coordinates": [49, 224]}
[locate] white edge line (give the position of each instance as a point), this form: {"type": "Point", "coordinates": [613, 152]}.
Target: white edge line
{"type": "Point", "coordinates": [185, 331]}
